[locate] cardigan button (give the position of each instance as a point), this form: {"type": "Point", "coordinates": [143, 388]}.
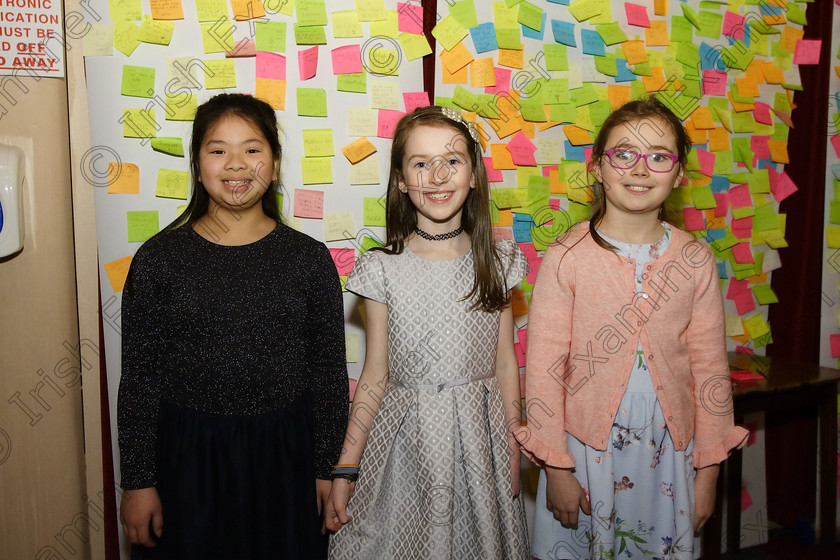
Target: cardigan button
{"type": "Point", "coordinates": [645, 296]}
{"type": "Point", "coordinates": [638, 323]}
{"type": "Point", "coordinates": [671, 418]}
{"type": "Point", "coordinates": [659, 388]}
{"type": "Point", "coordinates": [650, 356]}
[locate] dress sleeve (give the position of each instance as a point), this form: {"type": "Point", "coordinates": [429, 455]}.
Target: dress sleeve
{"type": "Point", "coordinates": [516, 265]}
{"type": "Point", "coordinates": [143, 349]}
{"type": "Point", "coordinates": [368, 276]}
{"type": "Point", "coordinates": [543, 439]}
{"type": "Point", "coordinates": [327, 358]}
{"type": "Point", "coordinates": [715, 434]}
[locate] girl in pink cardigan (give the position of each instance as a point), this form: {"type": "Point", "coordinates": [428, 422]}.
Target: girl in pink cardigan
{"type": "Point", "coordinates": [628, 396]}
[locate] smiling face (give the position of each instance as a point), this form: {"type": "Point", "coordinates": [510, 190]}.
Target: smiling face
{"type": "Point", "coordinates": [637, 189]}
{"type": "Point", "coordinates": [236, 165]}
{"type": "Point", "coordinates": [437, 176]}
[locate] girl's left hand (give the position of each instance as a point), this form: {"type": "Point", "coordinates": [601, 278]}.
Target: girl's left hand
{"type": "Point", "coordinates": [322, 493]}
{"type": "Point", "coordinates": [705, 486]}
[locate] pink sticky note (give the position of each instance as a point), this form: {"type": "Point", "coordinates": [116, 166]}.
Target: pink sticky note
{"type": "Point", "coordinates": [741, 252]}
{"type": "Point", "coordinates": [835, 142]}
{"type": "Point", "coordinates": [520, 354]}
{"type": "Point", "coordinates": [309, 204]}
{"type": "Point", "coordinates": [761, 113]}
{"type": "Point", "coordinates": [834, 340]}
{"type": "Point", "coordinates": [746, 499]}
{"type": "Point", "coordinates": [500, 233]}
{"type": "Point", "coordinates": [533, 259]}
{"type": "Point", "coordinates": [387, 122]}
{"type": "Point", "coordinates": [744, 350]}
{"type": "Point", "coordinates": [744, 304]}
{"type": "Point", "coordinates": [270, 65]}
{"type": "Point", "coordinates": [502, 82]}
{"type": "Point", "coordinates": [759, 147]}
{"type": "Point", "coordinates": [587, 156]}
{"type": "Point", "coordinates": [347, 60]}
{"type": "Point", "coordinates": [781, 184]}
{"type": "Point", "coordinates": [637, 15]}
{"type": "Point", "coordinates": [554, 204]}
{"type": "Point", "coordinates": [733, 25]}
{"type": "Point", "coordinates": [243, 49]}
{"type": "Point", "coordinates": [714, 82]}
{"type": "Point", "coordinates": [736, 288]}
{"type": "Point", "coordinates": [410, 18]}
{"type": "Point", "coordinates": [522, 149]}
{"type": "Point", "coordinates": [415, 99]}
{"type": "Point", "coordinates": [493, 175]}
{"type": "Point", "coordinates": [344, 260]}
{"type": "Point", "coordinates": [308, 62]}
{"type": "Point", "coordinates": [741, 375]}
{"type": "Point", "coordinates": [739, 196]}
{"type": "Point", "coordinates": [352, 383]}
{"type": "Point", "coordinates": [742, 227]}
{"type": "Point", "coordinates": [807, 51]}
{"type": "Point", "coordinates": [694, 219]}
{"type": "Point", "coordinates": [707, 162]}
{"type": "Point", "coordinates": [722, 207]}
{"type": "Point", "coordinates": [522, 337]}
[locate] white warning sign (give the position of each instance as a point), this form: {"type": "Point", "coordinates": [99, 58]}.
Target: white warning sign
{"type": "Point", "coordinates": [31, 41]}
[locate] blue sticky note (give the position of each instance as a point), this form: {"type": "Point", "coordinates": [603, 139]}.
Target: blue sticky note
{"type": "Point", "coordinates": [624, 73]}
{"type": "Point", "coordinates": [564, 32]}
{"type": "Point", "coordinates": [533, 33]}
{"type": "Point", "coordinates": [592, 43]}
{"type": "Point", "coordinates": [563, 2]}
{"type": "Point", "coordinates": [484, 37]}
{"type": "Point", "coordinates": [770, 10]}
{"type": "Point", "coordinates": [574, 153]}
{"type": "Point", "coordinates": [710, 58]}
{"type": "Point", "coordinates": [522, 224]}
{"type": "Point", "coordinates": [835, 170]}
{"type": "Point", "coordinates": [720, 183]}
{"type": "Point", "coordinates": [715, 234]}
{"type": "Point", "coordinates": [722, 270]}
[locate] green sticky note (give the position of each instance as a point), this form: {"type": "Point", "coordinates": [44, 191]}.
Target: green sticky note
{"type": "Point", "coordinates": [138, 81]}
{"type": "Point", "coordinates": [562, 112]}
{"type": "Point", "coordinates": [703, 198]}
{"type": "Point", "coordinates": [318, 142]}
{"type": "Point", "coordinates": [765, 218]}
{"type": "Point", "coordinates": [465, 99]}
{"type": "Point", "coordinates": [354, 83]}
{"type": "Point", "coordinates": [524, 174]}
{"type": "Point", "coordinates": [141, 225]}
{"type": "Point", "coordinates": [488, 106]}
{"type": "Point", "coordinates": [508, 39]}
{"type": "Point", "coordinates": [311, 12]}
{"type": "Point", "coordinates": [270, 36]}
{"type": "Point", "coordinates": [310, 35]}
{"type": "Point", "coordinates": [532, 111]}
{"type": "Point", "coordinates": [710, 24]}
{"type": "Point", "coordinates": [756, 326]}
{"type": "Point", "coordinates": [688, 54]}
{"type": "Point", "coordinates": [445, 102]}
{"type": "Point", "coordinates": [583, 10]}
{"type": "Point", "coordinates": [556, 57]}
{"type": "Point", "coordinates": [168, 145]}
{"type": "Point", "coordinates": [690, 15]}
{"type": "Point", "coordinates": [578, 212]}
{"type": "Point", "coordinates": [530, 15]}
{"type": "Point", "coordinates": [681, 30]}
{"type": "Point", "coordinates": [539, 187]}
{"type": "Point", "coordinates": [556, 90]}
{"type": "Point", "coordinates": [464, 13]}
{"type": "Point", "coordinates": [172, 183]}
{"type": "Point", "coordinates": [737, 55]}
{"type": "Point", "coordinates": [311, 102]}
{"type": "Point", "coordinates": [139, 123]}
{"type": "Point", "coordinates": [219, 73]}
{"type": "Point", "coordinates": [834, 212]}
{"type": "Point", "coordinates": [743, 122]}
{"type": "Point", "coordinates": [606, 65]}
{"type": "Point", "coordinates": [374, 211]}
{"type": "Point", "coordinates": [369, 243]}
{"type": "Point", "coordinates": [599, 111]}
{"type": "Point", "coordinates": [759, 181]}
{"type": "Point", "coordinates": [764, 294]}
{"type": "Point", "coordinates": [611, 33]}
{"type": "Point", "coordinates": [583, 95]}
{"type": "Point", "coordinates": [181, 106]}
{"type": "Point", "coordinates": [504, 16]}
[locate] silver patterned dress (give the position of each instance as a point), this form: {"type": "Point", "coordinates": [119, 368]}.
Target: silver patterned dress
{"type": "Point", "coordinates": [435, 478]}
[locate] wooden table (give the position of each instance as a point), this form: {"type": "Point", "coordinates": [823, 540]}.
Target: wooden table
{"type": "Point", "coordinates": [786, 385]}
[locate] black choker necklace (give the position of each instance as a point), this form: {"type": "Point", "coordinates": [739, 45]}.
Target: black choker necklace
{"type": "Point", "coordinates": [439, 236]}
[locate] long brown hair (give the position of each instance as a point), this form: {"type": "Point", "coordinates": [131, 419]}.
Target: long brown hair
{"type": "Point", "coordinates": [634, 111]}
{"type": "Point", "coordinates": [488, 288]}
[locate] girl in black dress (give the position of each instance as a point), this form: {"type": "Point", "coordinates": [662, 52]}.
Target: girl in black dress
{"type": "Point", "coordinates": [233, 397]}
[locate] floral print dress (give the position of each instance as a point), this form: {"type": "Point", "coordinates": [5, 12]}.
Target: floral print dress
{"type": "Point", "coordinates": [641, 490]}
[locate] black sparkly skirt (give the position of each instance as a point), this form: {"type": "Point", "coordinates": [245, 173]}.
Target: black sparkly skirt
{"type": "Point", "coordinates": [237, 487]}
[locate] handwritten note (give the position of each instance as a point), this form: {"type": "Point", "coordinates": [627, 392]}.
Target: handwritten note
{"type": "Point", "coordinates": [358, 150]}
{"type": "Point", "coordinates": [309, 204]}
{"type": "Point", "coordinates": [172, 183]}
{"type": "Point", "coordinates": [141, 225]}
{"type": "Point", "coordinates": [339, 226]}
{"type": "Point", "coordinates": [123, 178]}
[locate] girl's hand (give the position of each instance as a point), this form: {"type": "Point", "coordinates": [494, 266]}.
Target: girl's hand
{"type": "Point", "coordinates": [564, 495]}
{"type": "Point", "coordinates": [322, 494]}
{"type": "Point", "coordinates": [137, 508]}
{"type": "Point", "coordinates": [515, 470]}
{"type": "Point", "coordinates": [336, 514]}
{"type": "Point", "coordinates": [705, 485]}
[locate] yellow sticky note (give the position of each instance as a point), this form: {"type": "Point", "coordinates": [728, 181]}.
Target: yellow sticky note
{"type": "Point", "coordinates": [388, 27]}
{"type": "Point", "coordinates": [339, 226]}
{"type": "Point", "coordinates": [366, 172]}
{"type": "Point", "coordinates": [125, 10]}
{"type": "Point", "coordinates": [117, 272]}
{"type": "Point", "coordinates": [172, 183]}
{"type": "Point", "coordinates": [734, 325]}
{"type": "Point", "coordinates": [346, 24]}
{"type": "Point", "coordinates": [358, 150]}
{"type": "Point", "coordinates": [414, 46]}
{"type": "Point", "coordinates": [219, 73]}
{"type": "Point", "coordinates": [756, 326]}
{"type": "Point", "coordinates": [99, 40]}
{"type": "Point", "coordinates": [548, 151]}
{"type": "Point", "coordinates": [272, 92]}
{"type": "Point", "coordinates": [217, 37]}
{"type": "Point", "coordinates": [316, 170]}
{"type": "Point", "coordinates": [182, 72]}
{"type": "Point", "coordinates": [383, 61]}
{"type": "Point", "coordinates": [318, 142]}
{"type": "Point", "coordinates": [481, 73]}
{"type": "Point", "coordinates": [449, 32]}
{"type": "Point", "coordinates": [362, 121]}
{"type": "Point", "coordinates": [351, 347]}
{"type": "Point", "coordinates": [139, 123]}
{"type": "Point", "coordinates": [126, 36]}
{"type": "Point", "coordinates": [370, 10]}
{"type": "Point", "coordinates": [832, 236]}
{"type": "Point", "coordinates": [166, 9]}
{"type": "Point", "coordinates": [156, 32]}
{"type": "Point", "coordinates": [123, 178]}
{"type": "Point", "coordinates": [181, 106]}
{"type": "Point", "coordinates": [385, 94]}
{"type": "Point", "coordinates": [211, 10]}
{"type": "Point", "coordinates": [582, 10]}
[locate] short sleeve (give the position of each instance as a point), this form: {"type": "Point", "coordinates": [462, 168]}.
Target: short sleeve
{"type": "Point", "coordinates": [515, 263]}
{"type": "Point", "coordinates": [367, 278]}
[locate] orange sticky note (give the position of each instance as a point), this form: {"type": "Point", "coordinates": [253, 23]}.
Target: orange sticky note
{"type": "Point", "coordinates": [738, 106]}
{"type": "Point", "coordinates": [712, 221]}
{"type": "Point", "coordinates": [518, 304]}
{"type": "Point", "coordinates": [634, 52]}
{"type": "Point", "coordinates": [123, 178]}
{"type": "Point", "coordinates": [548, 123]}
{"type": "Point", "coordinates": [702, 118]}
{"type": "Point", "coordinates": [555, 185]}
{"type": "Point", "coordinates": [457, 58]}
{"type": "Point", "coordinates": [774, 19]}
{"type": "Point", "coordinates": [247, 9]}
{"type": "Point", "coordinates": [117, 272]}
{"type": "Point", "coordinates": [772, 73]}
{"type": "Point", "coordinates": [459, 77]}
{"type": "Point", "coordinates": [166, 9]}
{"type": "Point", "coordinates": [272, 92]}
{"type": "Point", "coordinates": [510, 58]}
{"type": "Point", "coordinates": [657, 34]}
{"type": "Point", "coordinates": [576, 135]}
{"type": "Point", "coordinates": [655, 81]}
{"type": "Point", "coordinates": [505, 217]}
{"type": "Point", "coordinates": [778, 151]}
{"type": "Point", "coordinates": [790, 35]}
{"type": "Point", "coordinates": [618, 95]}
{"type": "Point", "coordinates": [501, 157]}
{"type": "Point", "coordinates": [747, 87]}
{"type": "Point", "coordinates": [698, 136]}
{"type": "Point", "coordinates": [660, 7]}
{"type": "Point", "coordinates": [358, 150]}
{"type": "Point", "coordinates": [718, 139]}
{"type": "Point", "coordinates": [481, 73]}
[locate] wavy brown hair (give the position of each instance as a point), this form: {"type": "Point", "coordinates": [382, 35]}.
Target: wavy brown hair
{"type": "Point", "coordinates": [488, 290]}
{"type": "Point", "coordinates": [635, 111]}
